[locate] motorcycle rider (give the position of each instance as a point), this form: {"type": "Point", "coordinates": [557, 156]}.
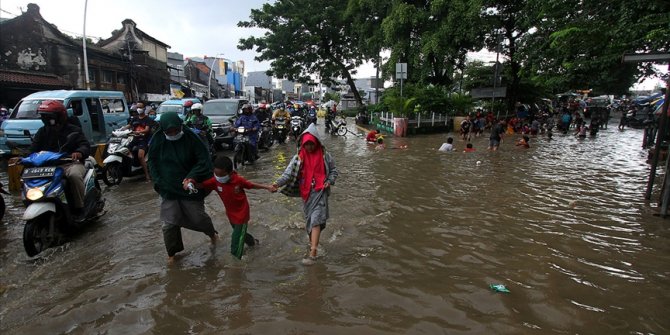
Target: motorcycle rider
{"type": "Point", "coordinates": [262, 113]}
{"type": "Point", "coordinates": [201, 122]}
{"type": "Point", "coordinates": [281, 112]}
{"type": "Point", "coordinates": [141, 127]}
{"type": "Point", "coordinates": [56, 135]}
{"type": "Point", "coordinates": [249, 121]}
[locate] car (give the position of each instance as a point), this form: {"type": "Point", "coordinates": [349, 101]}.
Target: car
{"type": "Point", "coordinates": [98, 113]}
{"type": "Point", "coordinates": [222, 112]}
{"type": "Point", "coordinates": [175, 105]}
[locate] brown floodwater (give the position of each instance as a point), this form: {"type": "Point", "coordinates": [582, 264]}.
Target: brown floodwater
{"type": "Point", "coordinates": [414, 241]}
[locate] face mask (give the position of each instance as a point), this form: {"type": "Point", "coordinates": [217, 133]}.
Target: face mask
{"type": "Point", "coordinates": [140, 110]}
{"type": "Point", "coordinates": [175, 137]}
{"type": "Point", "coordinates": [223, 179]}
{"type": "Point", "coordinates": [153, 117]}
{"type": "Point", "coordinates": [52, 122]}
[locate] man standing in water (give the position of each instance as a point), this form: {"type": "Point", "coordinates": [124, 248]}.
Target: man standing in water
{"type": "Point", "coordinates": [176, 157]}
{"type": "Point", "coordinates": [496, 135]}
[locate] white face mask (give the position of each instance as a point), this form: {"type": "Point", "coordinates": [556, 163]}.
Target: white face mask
{"type": "Point", "coordinates": [52, 122]}
{"type": "Point", "coordinates": [174, 137]}
{"type": "Point", "coordinates": [140, 110]}
{"type": "Point", "coordinates": [223, 179]}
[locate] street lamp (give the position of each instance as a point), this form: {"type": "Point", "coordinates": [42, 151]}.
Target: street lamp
{"type": "Point", "coordinates": [209, 82]}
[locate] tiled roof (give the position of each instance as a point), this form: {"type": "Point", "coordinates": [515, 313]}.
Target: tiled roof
{"type": "Point", "coordinates": [31, 79]}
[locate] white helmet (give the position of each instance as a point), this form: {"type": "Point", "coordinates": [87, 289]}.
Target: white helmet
{"type": "Point", "coordinates": [196, 105]}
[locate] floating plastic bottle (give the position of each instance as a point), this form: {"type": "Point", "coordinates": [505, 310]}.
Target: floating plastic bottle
{"type": "Point", "coordinates": [499, 288]}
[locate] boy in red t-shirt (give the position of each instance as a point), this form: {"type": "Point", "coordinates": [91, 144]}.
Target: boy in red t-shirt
{"type": "Point", "coordinates": [230, 187]}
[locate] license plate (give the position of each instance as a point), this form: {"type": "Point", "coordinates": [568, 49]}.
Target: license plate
{"type": "Point", "coordinates": [280, 127]}
{"type": "Point", "coordinates": [115, 140]}
{"type": "Point", "coordinates": [39, 172]}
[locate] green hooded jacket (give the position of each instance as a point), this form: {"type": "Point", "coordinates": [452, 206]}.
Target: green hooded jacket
{"type": "Point", "coordinates": [170, 162]}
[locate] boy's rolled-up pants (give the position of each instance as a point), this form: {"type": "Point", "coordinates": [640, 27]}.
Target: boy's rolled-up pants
{"type": "Point", "coordinates": [177, 214]}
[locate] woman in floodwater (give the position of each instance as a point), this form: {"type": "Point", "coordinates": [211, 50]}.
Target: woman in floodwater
{"type": "Point", "coordinates": [309, 175]}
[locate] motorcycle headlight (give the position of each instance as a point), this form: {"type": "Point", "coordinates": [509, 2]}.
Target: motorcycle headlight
{"type": "Point", "coordinates": [34, 194]}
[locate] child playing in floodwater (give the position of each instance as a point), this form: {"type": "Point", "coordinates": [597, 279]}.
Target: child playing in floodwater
{"type": "Point", "coordinates": [469, 148]}
{"type": "Point", "coordinates": [523, 142]}
{"type": "Point", "coordinates": [446, 147]}
{"type": "Point", "coordinates": [230, 187]}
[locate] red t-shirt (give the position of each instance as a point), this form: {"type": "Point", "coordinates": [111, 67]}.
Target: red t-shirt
{"type": "Point", "coordinates": [233, 197]}
{"type": "Point", "coordinates": [372, 136]}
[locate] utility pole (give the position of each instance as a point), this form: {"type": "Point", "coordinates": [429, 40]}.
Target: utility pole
{"type": "Point", "coordinates": [83, 38]}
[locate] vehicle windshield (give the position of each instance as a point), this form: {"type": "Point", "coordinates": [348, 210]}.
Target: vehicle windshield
{"type": "Point", "coordinates": [169, 108]}
{"type": "Point", "coordinates": [225, 108]}
{"type": "Point", "coordinates": [27, 109]}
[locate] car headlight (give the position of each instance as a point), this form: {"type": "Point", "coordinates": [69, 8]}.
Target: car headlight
{"type": "Point", "coordinates": [34, 194]}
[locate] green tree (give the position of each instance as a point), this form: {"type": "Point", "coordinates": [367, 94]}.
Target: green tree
{"type": "Point", "coordinates": [307, 37]}
{"type": "Point", "coordinates": [581, 42]}
{"type": "Point", "coordinates": [433, 37]}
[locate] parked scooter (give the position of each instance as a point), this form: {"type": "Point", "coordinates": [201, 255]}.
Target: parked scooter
{"type": "Point", "coordinates": [121, 160]}
{"type": "Point", "coordinates": [243, 151]}
{"type": "Point", "coordinates": [297, 126]}
{"type": "Point", "coordinates": [280, 131]}
{"type": "Point", "coordinates": [48, 214]}
{"type": "Point", "coordinates": [265, 139]}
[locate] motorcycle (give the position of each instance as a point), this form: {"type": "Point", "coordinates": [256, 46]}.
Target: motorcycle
{"type": "Point", "coordinates": [297, 125]}
{"type": "Point", "coordinates": [48, 214]}
{"type": "Point", "coordinates": [121, 160]}
{"type": "Point", "coordinates": [265, 139]}
{"type": "Point", "coordinates": [243, 152]}
{"type": "Point", "coordinates": [202, 134]}
{"type": "Point", "coordinates": [329, 122]}
{"type": "Point", "coordinates": [280, 130]}
{"type": "Point", "coordinates": [310, 117]}
{"type": "Point", "coordinates": [339, 127]}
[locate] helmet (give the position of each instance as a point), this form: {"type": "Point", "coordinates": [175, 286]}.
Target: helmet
{"type": "Point", "coordinates": [188, 103]}
{"type": "Point", "coordinates": [195, 106]}
{"type": "Point", "coordinates": [246, 108]}
{"type": "Point", "coordinates": [52, 109]}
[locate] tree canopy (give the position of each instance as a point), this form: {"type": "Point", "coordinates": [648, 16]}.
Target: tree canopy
{"type": "Point", "coordinates": [546, 46]}
{"type": "Point", "coordinates": [306, 38]}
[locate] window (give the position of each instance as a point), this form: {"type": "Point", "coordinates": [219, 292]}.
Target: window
{"type": "Point", "coordinates": [93, 106]}
{"type": "Point", "coordinates": [120, 78]}
{"type": "Point", "coordinates": [92, 75]}
{"type": "Point", "coordinates": [107, 77]}
{"type": "Point", "coordinates": [76, 107]}
{"type": "Point", "coordinates": [112, 105]}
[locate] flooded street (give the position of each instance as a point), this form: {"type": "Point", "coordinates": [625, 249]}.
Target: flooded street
{"type": "Point", "coordinates": [414, 241]}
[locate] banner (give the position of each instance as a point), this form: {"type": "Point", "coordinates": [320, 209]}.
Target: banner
{"type": "Point", "coordinates": [176, 92]}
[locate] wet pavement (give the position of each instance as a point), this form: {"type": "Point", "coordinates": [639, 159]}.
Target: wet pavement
{"type": "Point", "coordinates": [414, 241]}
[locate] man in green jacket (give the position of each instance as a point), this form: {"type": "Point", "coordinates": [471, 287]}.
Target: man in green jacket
{"type": "Point", "coordinates": [177, 157]}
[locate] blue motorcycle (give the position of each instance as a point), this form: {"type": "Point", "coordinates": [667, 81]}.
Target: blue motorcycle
{"type": "Point", "coordinates": [48, 216]}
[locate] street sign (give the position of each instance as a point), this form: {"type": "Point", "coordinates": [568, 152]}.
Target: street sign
{"type": "Point", "coordinates": [488, 92]}
{"type": "Point", "coordinates": [400, 71]}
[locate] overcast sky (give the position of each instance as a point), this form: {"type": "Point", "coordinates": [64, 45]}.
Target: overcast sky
{"type": "Point", "coordinates": [194, 28]}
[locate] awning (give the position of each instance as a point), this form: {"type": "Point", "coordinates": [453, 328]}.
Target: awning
{"type": "Point", "coordinates": [27, 79]}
